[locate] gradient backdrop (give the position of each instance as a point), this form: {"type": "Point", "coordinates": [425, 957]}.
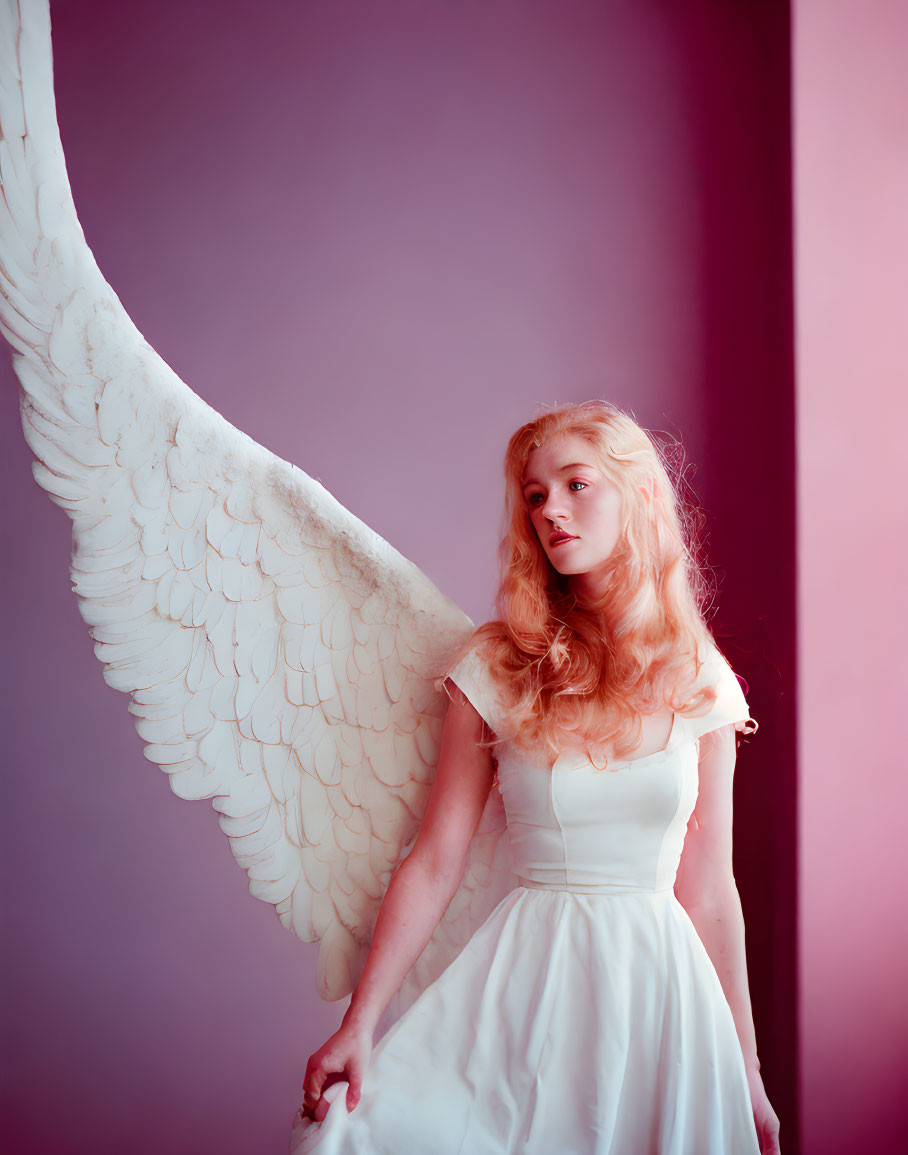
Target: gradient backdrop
{"type": "Point", "coordinates": [851, 221]}
{"type": "Point", "coordinates": [375, 236]}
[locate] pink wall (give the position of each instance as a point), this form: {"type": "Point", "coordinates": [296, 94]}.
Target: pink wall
{"type": "Point", "coordinates": [851, 223]}
{"type": "Point", "coordinates": [374, 236]}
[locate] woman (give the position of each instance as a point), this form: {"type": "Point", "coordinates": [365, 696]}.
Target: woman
{"type": "Point", "coordinates": [603, 1007]}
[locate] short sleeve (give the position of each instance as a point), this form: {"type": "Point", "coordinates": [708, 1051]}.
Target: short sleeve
{"type": "Point", "coordinates": [730, 706]}
{"type": "Point", "coordinates": [471, 676]}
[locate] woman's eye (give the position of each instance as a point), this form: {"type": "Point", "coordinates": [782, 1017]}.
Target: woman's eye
{"type": "Point", "coordinates": [580, 485]}
{"type": "Point", "coordinates": [534, 499]}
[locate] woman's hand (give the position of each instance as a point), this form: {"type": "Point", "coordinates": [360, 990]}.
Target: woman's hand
{"type": "Point", "coordinates": [765, 1119]}
{"type": "Point", "coordinates": [343, 1058]}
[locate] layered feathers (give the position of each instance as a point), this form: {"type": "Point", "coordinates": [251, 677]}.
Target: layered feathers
{"type": "Point", "coordinates": [278, 654]}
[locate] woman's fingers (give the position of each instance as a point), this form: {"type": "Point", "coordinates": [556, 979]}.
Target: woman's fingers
{"type": "Point", "coordinates": [313, 1085]}
{"type": "Point", "coordinates": [354, 1090]}
{"type": "Point", "coordinates": [316, 1107]}
{"type": "Point", "coordinates": [767, 1125]}
{"type": "Point", "coordinates": [343, 1059]}
{"type": "Point", "coordinates": [769, 1141]}
{"type": "Point", "coordinates": [319, 1077]}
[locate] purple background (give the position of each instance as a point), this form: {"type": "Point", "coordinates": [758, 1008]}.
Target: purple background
{"type": "Point", "coordinates": [375, 236]}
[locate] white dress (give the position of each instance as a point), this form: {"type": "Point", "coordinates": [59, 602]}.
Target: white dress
{"type": "Point", "coordinates": [584, 1017]}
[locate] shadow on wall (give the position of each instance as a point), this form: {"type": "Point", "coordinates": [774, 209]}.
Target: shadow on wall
{"type": "Point", "coordinates": [738, 87]}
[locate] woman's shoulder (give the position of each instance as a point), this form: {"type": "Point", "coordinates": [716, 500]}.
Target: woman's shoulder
{"type": "Point", "coordinates": [721, 694]}
{"type": "Point", "coordinates": [469, 671]}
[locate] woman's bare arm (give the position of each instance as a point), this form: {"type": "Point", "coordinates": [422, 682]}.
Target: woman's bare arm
{"type": "Point", "coordinates": [705, 887]}
{"type": "Point", "coordinates": [417, 897]}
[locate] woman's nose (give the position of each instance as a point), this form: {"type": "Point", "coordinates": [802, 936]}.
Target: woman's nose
{"type": "Point", "coordinates": [553, 509]}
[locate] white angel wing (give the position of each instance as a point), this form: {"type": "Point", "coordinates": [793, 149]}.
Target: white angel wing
{"type": "Point", "coordinates": [279, 654]}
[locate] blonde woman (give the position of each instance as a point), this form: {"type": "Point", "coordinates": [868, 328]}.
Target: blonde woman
{"type": "Point", "coordinates": [603, 1007]}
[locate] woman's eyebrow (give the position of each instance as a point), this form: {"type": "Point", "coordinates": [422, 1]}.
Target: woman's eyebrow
{"type": "Point", "coordinates": [573, 465]}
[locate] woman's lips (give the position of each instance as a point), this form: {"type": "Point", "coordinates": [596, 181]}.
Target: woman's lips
{"type": "Point", "coordinates": [561, 538]}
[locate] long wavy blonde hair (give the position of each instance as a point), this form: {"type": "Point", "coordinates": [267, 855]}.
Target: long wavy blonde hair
{"type": "Point", "coordinates": [588, 670]}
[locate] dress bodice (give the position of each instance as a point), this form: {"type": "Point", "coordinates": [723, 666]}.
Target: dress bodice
{"type": "Point", "coordinates": [619, 829]}
{"type": "Point", "coordinates": [574, 826]}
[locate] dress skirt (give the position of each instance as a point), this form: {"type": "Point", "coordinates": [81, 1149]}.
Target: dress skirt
{"type": "Point", "coordinates": [571, 1024]}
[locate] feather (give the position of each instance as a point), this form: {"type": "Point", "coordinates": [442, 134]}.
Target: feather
{"type": "Point", "coordinates": [278, 654]}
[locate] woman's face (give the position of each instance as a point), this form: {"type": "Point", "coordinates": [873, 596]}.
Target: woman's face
{"type": "Point", "coordinates": [575, 510]}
